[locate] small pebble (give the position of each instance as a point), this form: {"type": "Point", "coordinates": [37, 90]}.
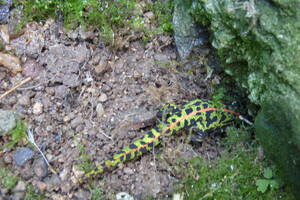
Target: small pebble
{"type": "Point", "coordinates": [20, 187]}
{"type": "Point", "coordinates": [22, 155]}
{"type": "Point", "coordinates": [42, 186]}
{"type": "Point", "coordinates": [40, 168]}
{"type": "Point", "coordinates": [103, 97]}
{"type": "Point", "coordinates": [124, 196]}
{"type": "Point", "coordinates": [127, 170]}
{"type": "Point", "coordinates": [37, 108]}
{"type": "Point", "coordinates": [18, 196]}
{"type": "Point", "coordinates": [24, 100]}
{"type": "Point", "coordinates": [53, 182]}
{"type": "Point", "coordinates": [7, 158]}
{"type": "Point", "coordinates": [100, 110]}
{"type": "Point", "coordinates": [82, 194]}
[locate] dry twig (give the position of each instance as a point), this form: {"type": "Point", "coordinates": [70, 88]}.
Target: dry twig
{"type": "Point", "coordinates": [15, 87]}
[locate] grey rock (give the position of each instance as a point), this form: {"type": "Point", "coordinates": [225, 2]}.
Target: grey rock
{"type": "Point", "coordinates": [7, 121]}
{"type": "Point", "coordinates": [22, 155]}
{"type": "Point", "coordinates": [40, 168]}
{"type": "Point", "coordinates": [20, 187]}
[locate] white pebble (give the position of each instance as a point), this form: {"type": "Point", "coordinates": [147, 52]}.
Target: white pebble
{"type": "Point", "coordinates": [37, 108]}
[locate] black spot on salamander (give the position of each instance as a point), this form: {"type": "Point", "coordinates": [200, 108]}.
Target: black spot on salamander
{"type": "Point", "coordinates": [173, 120]}
{"type": "Point", "coordinates": [197, 103]}
{"type": "Point", "coordinates": [205, 105]}
{"type": "Point", "coordinates": [178, 123]}
{"type": "Point", "coordinates": [143, 150]}
{"type": "Point", "coordinates": [192, 122]}
{"type": "Point", "coordinates": [223, 117]}
{"type": "Point", "coordinates": [103, 166]}
{"type": "Point", "coordinates": [128, 156]}
{"type": "Point", "coordinates": [132, 146]}
{"type": "Point", "coordinates": [214, 119]}
{"type": "Point", "coordinates": [150, 134]}
{"type": "Point", "coordinates": [142, 142]}
{"type": "Point", "coordinates": [168, 131]}
{"type": "Point", "coordinates": [136, 153]}
{"type": "Point", "coordinates": [120, 152]}
{"type": "Point", "coordinates": [198, 108]}
{"type": "Point", "coordinates": [157, 129]}
{"type": "Point", "coordinates": [188, 110]}
{"type": "Point", "coordinates": [178, 113]}
{"type": "Point", "coordinates": [186, 124]}
{"type": "Point", "coordinates": [207, 114]}
{"type": "Point", "coordinates": [174, 110]}
{"type": "Point", "coordinates": [151, 144]}
{"type": "Point", "coordinates": [122, 157]}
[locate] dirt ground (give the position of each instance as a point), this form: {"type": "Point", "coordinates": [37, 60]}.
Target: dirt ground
{"type": "Point", "coordinates": [88, 94]}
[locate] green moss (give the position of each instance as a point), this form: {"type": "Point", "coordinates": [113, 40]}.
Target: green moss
{"type": "Point", "coordinates": [106, 16]}
{"type": "Point", "coordinates": [7, 180]}
{"type": "Point", "coordinates": [32, 194]}
{"type": "Point", "coordinates": [233, 175]}
{"type": "Point", "coordinates": [84, 159]}
{"type": "Point", "coordinates": [17, 135]}
{"type": "Point", "coordinates": [258, 44]}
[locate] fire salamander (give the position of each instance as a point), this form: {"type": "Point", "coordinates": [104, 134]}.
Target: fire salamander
{"type": "Point", "coordinates": [198, 116]}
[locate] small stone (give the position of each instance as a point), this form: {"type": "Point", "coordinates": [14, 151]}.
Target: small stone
{"type": "Point", "coordinates": [82, 194]}
{"type": "Point", "coordinates": [57, 197]}
{"type": "Point", "coordinates": [7, 158]}
{"type": "Point", "coordinates": [50, 91]}
{"type": "Point", "coordinates": [24, 100]}
{"type": "Point", "coordinates": [31, 68]}
{"type": "Point", "coordinates": [18, 196]}
{"type": "Point", "coordinates": [37, 108]}
{"type": "Point", "coordinates": [69, 117]}
{"type": "Point", "coordinates": [53, 182]}
{"type": "Point", "coordinates": [64, 174]}
{"type": "Point", "coordinates": [42, 186]}
{"type": "Point", "coordinates": [127, 170]}
{"type": "Point", "coordinates": [103, 97]}
{"type": "Point", "coordinates": [7, 121]}
{"type": "Point", "coordinates": [76, 122]}
{"type": "Point", "coordinates": [102, 67]}
{"type": "Point", "coordinates": [124, 196]}
{"type": "Point", "coordinates": [61, 91]}
{"type": "Point", "coordinates": [67, 187]}
{"type": "Point", "coordinates": [40, 168]}
{"type": "Point", "coordinates": [20, 187]}
{"type": "Point", "coordinates": [26, 172]}
{"type": "Point", "coordinates": [22, 155]}
{"type": "Point", "coordinates": [100, 110]}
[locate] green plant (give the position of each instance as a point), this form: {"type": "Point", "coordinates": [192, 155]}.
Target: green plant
{"type": "Point", "coordinates": [267, 181]}
{"type": "Point", "coordinates": [96, 193]}
{"type": "Point", "coordinates": [108, 17]}
{"type": "Point", "coordinates": [32, 194]}
{"type": "Point", "coordinates": [16, 135]}
{"type": "Point", "coordinates": [84, 159]}
{"type": "Point", "coordinates": [7, 180]}
{"type": "Point", "coordinates": [231, 176]}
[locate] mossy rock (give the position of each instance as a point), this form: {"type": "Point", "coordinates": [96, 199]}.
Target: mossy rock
{"type": "Point", "coordinates": [277, 126]}
{"type": "Point", "coordinates": [258, 43]}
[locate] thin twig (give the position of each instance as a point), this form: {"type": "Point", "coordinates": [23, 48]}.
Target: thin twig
{"type": "Point", "coordinates": [15, 87]}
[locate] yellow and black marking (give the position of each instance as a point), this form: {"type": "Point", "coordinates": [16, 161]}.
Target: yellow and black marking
{"type": "Point", "coordinates": [200, 116]}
